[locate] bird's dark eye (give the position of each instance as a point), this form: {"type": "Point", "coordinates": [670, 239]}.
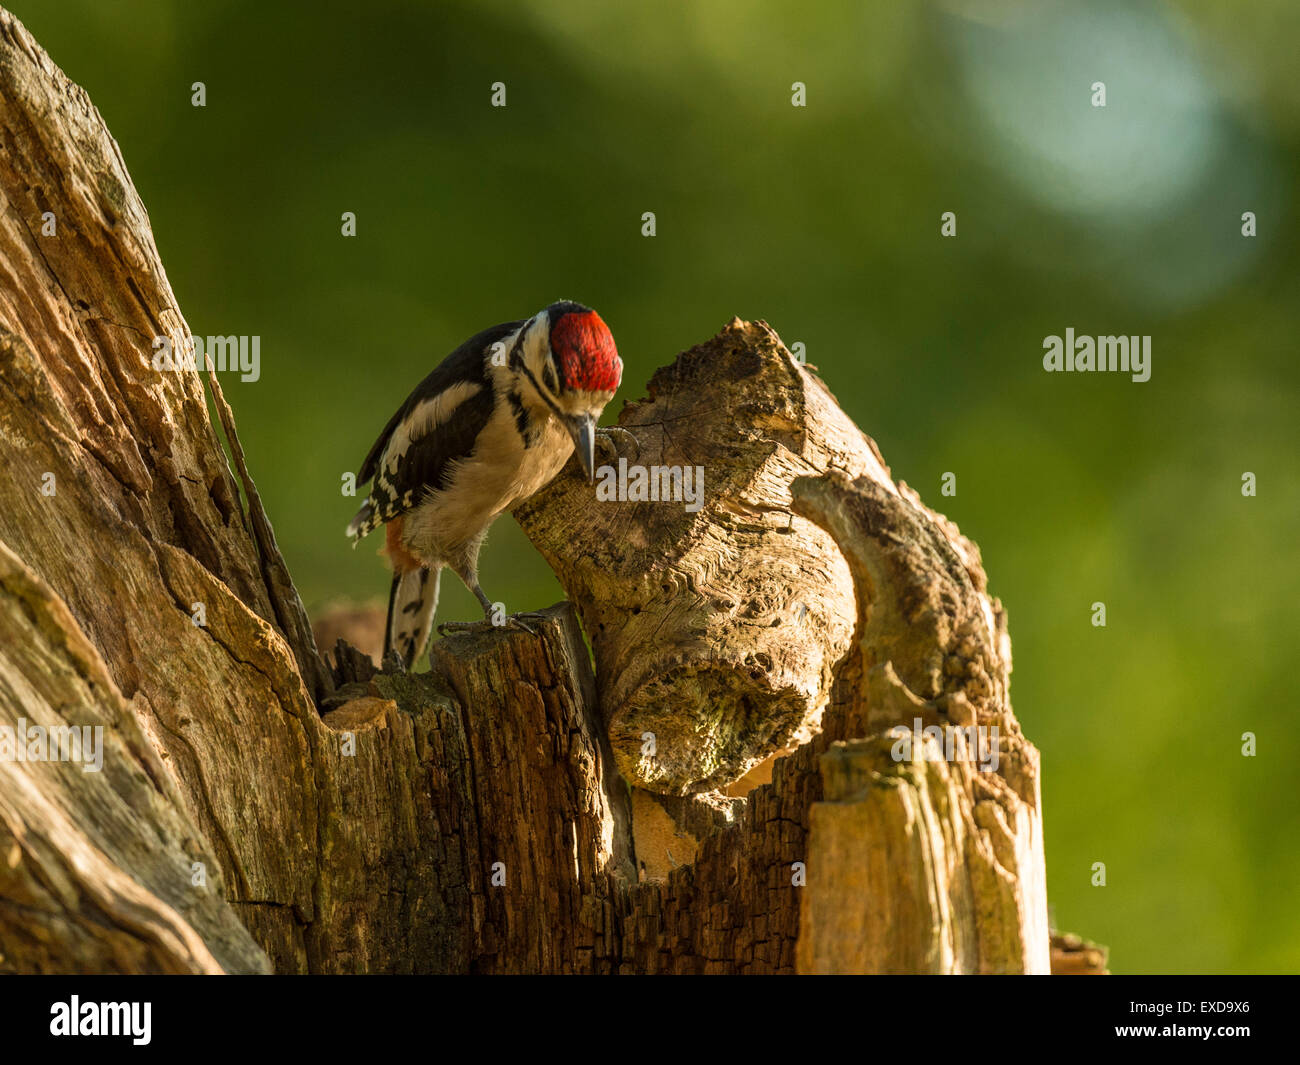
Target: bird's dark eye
{"type": "Point", "coordinates": [549, 378]}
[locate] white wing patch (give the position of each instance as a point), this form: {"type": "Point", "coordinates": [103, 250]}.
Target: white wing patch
{"type": "Point", "coordinates": [424, 418]}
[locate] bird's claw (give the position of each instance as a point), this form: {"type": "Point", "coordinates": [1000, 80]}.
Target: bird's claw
{"type": "Point", "coordinates": [512, 622]}
{"type": "Point", "coordinates": [613, 442]}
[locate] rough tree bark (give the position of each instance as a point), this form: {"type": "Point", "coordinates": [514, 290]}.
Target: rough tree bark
{"type": "Point", "coordinates": [259, 811]}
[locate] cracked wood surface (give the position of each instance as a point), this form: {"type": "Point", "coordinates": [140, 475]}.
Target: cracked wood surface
{"type": "Point", "coordinates": [929, 849]}
{"type": "Point", "coordinates": [117, 493]}
{"type": "Point", "coordinates": [97, 866]}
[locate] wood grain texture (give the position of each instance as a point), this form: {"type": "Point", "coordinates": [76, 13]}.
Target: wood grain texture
{"type": "Point", "coordinates": [117, 493]}
{"type": "Point", "coordinates": [928, 849]}
{"type": "Point", "coordinates": [98, 857]}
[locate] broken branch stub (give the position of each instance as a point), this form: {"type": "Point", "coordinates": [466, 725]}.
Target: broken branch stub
{"type": "Point", "coordinates": [716, 615]}
{"type": "Point", "coordinates": [929, 841]}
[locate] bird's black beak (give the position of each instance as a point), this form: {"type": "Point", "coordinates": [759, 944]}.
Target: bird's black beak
{"type": "Point", "coordinates": [583, 430]}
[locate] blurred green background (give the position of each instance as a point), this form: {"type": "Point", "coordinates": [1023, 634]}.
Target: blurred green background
{"type": "Point", "coordinates": [824, 220]}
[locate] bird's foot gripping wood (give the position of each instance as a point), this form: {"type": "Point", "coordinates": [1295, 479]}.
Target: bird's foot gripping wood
{"type": "Point", "coordinates": [615, 442]}
{"type": "Point", "coordinates": [513, 622]}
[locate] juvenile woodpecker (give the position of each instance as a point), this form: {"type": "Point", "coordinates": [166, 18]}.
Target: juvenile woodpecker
{"type": "Point", "coordinates": [493, 423]}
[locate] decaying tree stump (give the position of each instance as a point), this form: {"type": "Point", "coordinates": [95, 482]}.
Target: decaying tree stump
{"type": "Point", "coordinates": [953, 870]}
{"type": "Point", "coordinates": [257, 811]}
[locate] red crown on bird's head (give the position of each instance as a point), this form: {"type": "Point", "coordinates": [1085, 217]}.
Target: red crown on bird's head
{"type": "Point", "coordinates": [584, 348]}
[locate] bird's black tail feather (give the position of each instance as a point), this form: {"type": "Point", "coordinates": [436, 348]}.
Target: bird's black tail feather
{"type": "Point", "coordinates": [411, 605]}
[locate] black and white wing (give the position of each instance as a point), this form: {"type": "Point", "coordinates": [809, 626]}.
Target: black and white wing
{"type": "Point", "coordinates": [436, 427]}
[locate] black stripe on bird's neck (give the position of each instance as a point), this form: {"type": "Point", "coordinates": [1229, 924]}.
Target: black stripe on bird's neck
{"type": "Point", "coordinates": [549, 402]}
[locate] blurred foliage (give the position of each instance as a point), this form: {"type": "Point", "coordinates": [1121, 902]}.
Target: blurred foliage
{"type": "Point", "coordinates": [823, 220]}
